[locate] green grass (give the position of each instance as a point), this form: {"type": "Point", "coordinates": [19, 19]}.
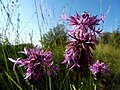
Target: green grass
{"type": "Point", "coordinates": [65, 80]}
{"type": "Point", "coordinates": [9, 79]}
{"type": "Point", "coordinates": [111, 56]}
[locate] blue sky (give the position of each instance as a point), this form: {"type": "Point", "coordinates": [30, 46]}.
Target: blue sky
{"type": "Point", "coordinates": [53, 9]}
{"type": "Point", "coordinates": [56, 7]}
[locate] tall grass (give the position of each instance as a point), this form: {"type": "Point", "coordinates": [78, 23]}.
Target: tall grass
{"type": "Point", "coordinates": [10, 79]}
{"type": "Point", "coordinates": [65, 80]}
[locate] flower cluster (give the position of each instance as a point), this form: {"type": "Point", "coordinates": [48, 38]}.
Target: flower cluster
{"type": "Point", "coordinates": [99, 68]}
{"type": "Point", "coordinates": [37, 63]}
{"type": "Point", "coordinates": [83, 35]}
{"type": "Point", "coordinates": [84, 27]}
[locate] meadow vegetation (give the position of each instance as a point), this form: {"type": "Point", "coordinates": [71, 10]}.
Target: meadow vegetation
{"type": "Point", "coordinates": [65, 80]}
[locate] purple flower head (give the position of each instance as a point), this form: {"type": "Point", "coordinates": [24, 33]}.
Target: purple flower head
{"type": "Point", "coordinates": [99, 68]}
{"type": "Point", "coordinates": [83, 35]}
{"type": "Point", "coordinates": [84, 27]}
{"type": "Point", "coordinates": [37, 63]}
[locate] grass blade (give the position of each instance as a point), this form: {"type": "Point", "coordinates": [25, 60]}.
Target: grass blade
{"type": "Point", "coordinates": [13, 81]}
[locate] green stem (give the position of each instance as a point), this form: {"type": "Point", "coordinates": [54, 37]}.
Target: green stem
{"type": "Point", "coordinates": [50, 83]}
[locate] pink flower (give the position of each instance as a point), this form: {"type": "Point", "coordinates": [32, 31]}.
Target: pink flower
{"type": "Point", "coordinates": [83, 35]}
{"type": "Point", "coordinates": [37, 63]}
{"type": "Point", "coordinates": [99, 68]}
{"type": "Point", "coordinates": [84, 27]}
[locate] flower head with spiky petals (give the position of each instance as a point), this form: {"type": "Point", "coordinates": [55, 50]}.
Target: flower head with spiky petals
{"type": "Point", "coordinates": [99, 68]}
{"type": "Point", "coordinates": [37, 63]}
{"type": "Point", "coordinates": [84, 27]}
{"type": "Point", "coordinates": [83, 35]}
